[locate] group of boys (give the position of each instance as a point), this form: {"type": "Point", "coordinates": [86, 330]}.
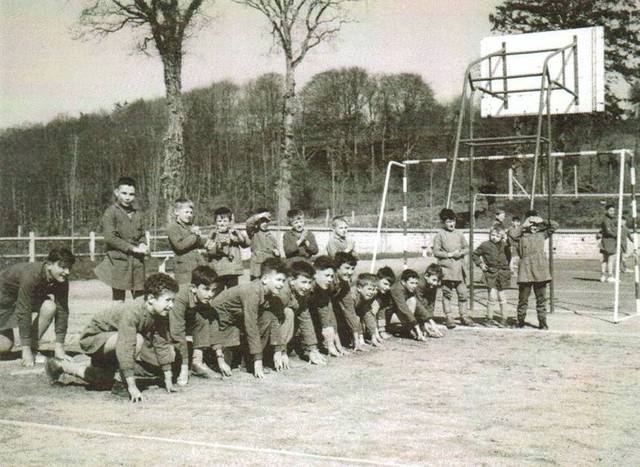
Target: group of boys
{"type": "Point", "coordinates": [302, 302]}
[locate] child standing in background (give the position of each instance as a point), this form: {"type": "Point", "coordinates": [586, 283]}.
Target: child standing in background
{"type": "Point", "coordinates": [513, 245]}
{"type": "Point", "coordinates": [123, 266]}
{"type": "Point", "coordinates": [450, 247]}
{"type": "Point", "coordinates": [338, 240]}
{"type": "Point", "coordinates": [263, 243]}
{"type": "Point", "coordinates": [185, 240]}
{"type": "Point", "coordinates": [298, 243]}
{"type": "Point", "coordinates": [533, 271]}
{"type": "Point", "coordinates": [224, 248]}
{"type": "Point", "coordinates": [493, 257]}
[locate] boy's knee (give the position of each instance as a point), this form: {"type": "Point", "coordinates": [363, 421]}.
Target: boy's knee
{"type": "Point", "coordinates": [6, 341]}
{"type": "Point", "coordinates": [48, 307]}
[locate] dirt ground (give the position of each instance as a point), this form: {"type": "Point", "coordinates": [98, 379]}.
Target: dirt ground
{"type": "Point", "coordinates": [479, 396]}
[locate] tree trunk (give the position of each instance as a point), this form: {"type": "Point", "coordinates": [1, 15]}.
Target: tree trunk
{"type": "Point", "coordinates": [173, 166]}
{"type": "Point", "coordinates": [283, 188]}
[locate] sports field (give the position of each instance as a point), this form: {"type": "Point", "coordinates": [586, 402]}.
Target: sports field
{"type": "Point", "coordinates": [479, 396]}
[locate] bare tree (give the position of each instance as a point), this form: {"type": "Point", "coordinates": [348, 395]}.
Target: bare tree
{"type": "Point", "coordinates": [165, 24]}
{"type": "Point", "coordinates": [297, 26]}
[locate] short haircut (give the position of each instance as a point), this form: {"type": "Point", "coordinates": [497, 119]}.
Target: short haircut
{"type": "Point", "coordinates": [515, 219]}
{"type": "Point", "coordinates": [609, 206]}
{"type": "Point", "coordinates": [62, 255]}
{"type": "Point", "coordinates": [203, 275]}
{"type": "Point", "coordinates": [497, 229]}
{"type": "Point", "coordinates": [337, 219]}
{"type": "Point", "coordinates": [157, 283]}
{"type": "Point", "coordinates": [293, 214]}
{"type": "Point", "coordinates": [323, 262]}
{"type": "Point", "coordinates": [342, 257]}
{"type": "Point", "coordinates": [273, 265]}
{"type": "Point", "coordinates": [301, 268]}
{"type": "Point", "coordinates": [222, 212]}
{"type": "Point", "coordinates": [447, 214]}
{"type": "Point", "coordinates": [408, 274]}
{"type": "Point", "coordinates": [531, 213]}
{"type": "Point", "coordinates": [181, 202]}
{"type": "Point", "coordinates": [500, 211]}
{"type": "Point", "coordinates": [387, 273]}
{"type": "Point", "coordinates": [366, 278]}
{"type": "Point", "coordinates": [434, 269]}
{"type": "Point", "coordinates": [127, 181]}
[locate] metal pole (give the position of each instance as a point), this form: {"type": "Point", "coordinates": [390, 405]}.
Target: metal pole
{"type": "Point", "coordinates": [510, 173]}
{"type": "Point", "coordinates": [381, 213]}
{"type": "Point", "coordinates": [549, 197]}
{"type": "Point", "coordinates": [634, 224]}
{"type": "Point", "coordinates": [538, 137]}
{"type": "Point", "coordinates": [471, 212]}
{"type": "Point", "coordinates": [616, 296]}
{"type": "Point", "coordinates": [404, 215]}
{"type": "Point", "coordinates": [458, 135]}
{"type": "Point", "coordinates": [575, 180]}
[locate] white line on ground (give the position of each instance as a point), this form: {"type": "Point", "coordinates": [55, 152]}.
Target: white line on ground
{"type": "Point", "coordinates": [230, 447]}
{"type": "Point", "coordinates": [550, 331]}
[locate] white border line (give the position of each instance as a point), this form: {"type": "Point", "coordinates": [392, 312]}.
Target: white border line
{"type": "Point", "coordinates": [230, 447]}
{"type": "Point", "coordinates": [534, 330]}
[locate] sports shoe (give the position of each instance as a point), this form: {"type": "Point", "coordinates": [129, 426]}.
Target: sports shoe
{"type": "Point", "coordinates": [611, 279]}
{"type": "Point", "coordinates": [543, 326]}
{"type": "Point", "coordinates": [201, 370]}
{"type": "Point", "coordinates": [450, 324]}
{"type": "Point", "coordinates": [119, 389]}
{"type": "Point", "coordinates": [520, 324]}
{"type": "Point", "coordinates": [499, 323]}
{"type": "Point", "coordinates": [53, 369]}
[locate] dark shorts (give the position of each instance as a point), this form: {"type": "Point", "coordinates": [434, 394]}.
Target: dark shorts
{"type": "Point", "coordinates": [498, 280]}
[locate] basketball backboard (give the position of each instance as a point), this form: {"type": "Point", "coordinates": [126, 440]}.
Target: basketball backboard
{"type": "Point", "coordinates": [577, 69]}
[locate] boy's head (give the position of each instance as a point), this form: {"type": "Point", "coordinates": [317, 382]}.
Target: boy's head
{"type": "Point", "coordinates": [262, 218]}
{"type": "Point", "coordinates": [515, 221]}
{"type": "Point", "coordinates": [340, 226]}
{"type": "Point", "coordinates": [324, 269]}
{"type": "Point", "coordinates": [301, 277]}
{"type": "Point", "coordinates": [204, 283]}
{"type": "Point", "coordinates": [610, 210]}
{"type": "Point", "coordinates": [223, 218]}
{"type": "Point", "coordinates": [125, 191]}
{"type": "Point", "coordinates": [496, 234]}
{"type": "Point", "coordinates": [386, 278]}
{"type": "Point", "coordinates": [433, 275]}
{"type": "Point", "coordinates": [345, 265]}
{"type": "Point", "coordinates": [59, 263]}
{"type": "Point", "coordinates": [534, 223]}
{"type": "Point", "coordinates": [183, 210]}
{"type": "Point", "coordinates": [295, 217]}
{"type": "Point", "coordinates": [366, 285]}
{"type": "Point", "coordinates": [273, 273]}
{"type": "Point", "coordinates": [500, 215]}
{"type": "Point", "coordinates": [448, 219]}
{"type": "Point", "coordinates": [159, 293]}
{"type": "Point", "coordinates": [409, 280]}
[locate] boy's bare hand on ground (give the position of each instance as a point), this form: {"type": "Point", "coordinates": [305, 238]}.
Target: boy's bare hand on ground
{"type": "Point", "coordinates": [316, 358]}
{"type": "Point", "coordinates": [183, 377]}
{"type": "Point", "coordinates": [281, 361]}
{"type": "Point", "coordinates": [27, 357]}
{"type": "Point", "coordinates": [258, 371]}
{"type": "Point", "coordinates": [135, 395]}
{"type": "Point", "coordinates": [224, 368]}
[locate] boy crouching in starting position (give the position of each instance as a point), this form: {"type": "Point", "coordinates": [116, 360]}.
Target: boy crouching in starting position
{"type": "Point", "coordinates": [364, 300]}
{"type": "Point", "coordinates": [251, 308]}
{"type": "Point", "coordinates": [343, 301]}
{"type": "Point", "coordinates": [411, 311]}
{"type": "Point", "coordinates": [192, 314]}
{"type": "Point", "coordinates": [130, 338]}
{"type": "Point", "coordinates": [296, 323]}
{"type": "Point", "coordinates": [321, 308]}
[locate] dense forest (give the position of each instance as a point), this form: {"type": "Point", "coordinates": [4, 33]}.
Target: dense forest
{"type": "Point", "coordinates": [350, 124]}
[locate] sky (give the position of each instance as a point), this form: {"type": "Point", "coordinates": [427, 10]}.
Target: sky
{"type": "Point", "coordinates": [45, 73]}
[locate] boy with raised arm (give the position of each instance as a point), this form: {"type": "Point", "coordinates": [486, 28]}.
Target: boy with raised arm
{"type": "Point", "coordinates": [129, 338]}
{"type": "Point", "coordinates": [263, 243]}
{"type": "Point", "coordinates": [225, 248]}
{"type": "Point", "coordinates": [250, 307]}
{"type": "Point", "coordinates": [124, 235]}
{"type": "Point", "coordinates": [185, 240]}
{"type": "Point", "coordinates": [297, 323]}
{"type": "Point", "coordinates": [192, 314]}
{"type": "Point", "coordinates": [298, 243]}
{"type": "Point", "coordinates": [40, 288]}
